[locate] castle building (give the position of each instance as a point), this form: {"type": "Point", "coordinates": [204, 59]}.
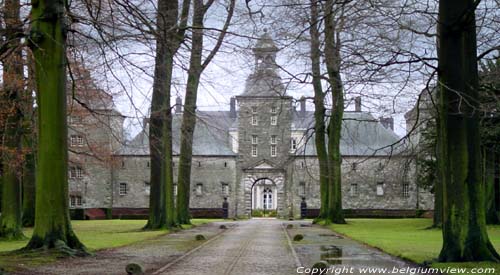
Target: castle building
{"type": "Point", "coordinates": [259, 155]}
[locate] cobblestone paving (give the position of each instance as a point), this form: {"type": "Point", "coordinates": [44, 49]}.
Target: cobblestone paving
{"type": "Point", "coordinates": [257, 246]}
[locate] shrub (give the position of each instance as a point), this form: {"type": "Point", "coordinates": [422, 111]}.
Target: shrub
{"type": "Point", "coordinates": [298, 238]}
{"type": "Point", "coordinates": [200, 237]}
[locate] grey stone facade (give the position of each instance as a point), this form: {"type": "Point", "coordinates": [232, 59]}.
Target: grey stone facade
{"type": "Point", "coordinates": [263, 140]}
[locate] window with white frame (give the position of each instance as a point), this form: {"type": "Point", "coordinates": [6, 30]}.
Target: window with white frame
{"type": "Point", "coordinates": [75, 172]}
{"type": "Point", "coordinates": [225, 189]}
{"type": "Point", "coordinates": [76, 141]}
{"type": "Point", "coordinates": [406, 190]}
{"type": "Point", "coordinates": [274, 120]}
{"type": "Point", "coordinates": [254, 120]}
{"type": "Point", "coordinates": [254, 150]}
{"type": "Point", "coordinates": [75, 200]}
{"type": "Point", "coordinates": [354, 190]}
{"type": "Point", "coordinates": [273, 150]}
{"type": "Point", "coordinates": [302, 188]}
{"type": "Point", "coordinates": [199, 189]}
{"type": "Point", "coordinates": [273, 139]}
{"type": "Point", "coordinates": [380, 188]}
{"type": "Point", "coordinates": [123, 189]}
{"type": "Point", "coordinates": [255, 139]}
{"type": "Point", "coordinates": [274, 109]}
{"type": "Point", "coordinates": [293, 144]}
{"type": "Point", "coordinates": [75, 119]}
{"type": "Point", "coordinates": [254, 109]}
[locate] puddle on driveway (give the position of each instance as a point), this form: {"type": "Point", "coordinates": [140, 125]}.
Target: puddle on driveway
{"type": "Point", "coordinates": [331, 254]}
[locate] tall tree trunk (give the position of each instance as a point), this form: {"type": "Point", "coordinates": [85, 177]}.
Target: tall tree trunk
{"type": "Point", "coordinates": [319, 110]}
{"type": "Point", "coordinates": [13, 89]}
{"type": "Point", "coordinates": [48, 43]}
{"type": "Point", "coordinates": [464, 222]}
{"type": "Point", "coordinates": [437, 220]}
{"type": "Point", "coordinates": [489, 184]}
{"type": "Point", "coordinates": [332, 57]}
{"type": "Point", "coordinates": [196, 67]}
{"type": "Point", "coordinates": [161, 202]}
{"type": "Point", "coordinates": [29, 176]}
{"type": "Point", "coordinates": [189, 116]}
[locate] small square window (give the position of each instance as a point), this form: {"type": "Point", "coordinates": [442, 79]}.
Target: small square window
{"type": "Point", "coordinates": [254, 109]}
{"type": "Point", "coordinates": [354, 166]}
{"type": "Point", "coordinates": [75, 172]}
{"type": "Point", "coordinates": [76, 141]}
{"type": "Point", "coordinates": [123, 189]}
{"type": "Point", "coordinates": [273, 110]}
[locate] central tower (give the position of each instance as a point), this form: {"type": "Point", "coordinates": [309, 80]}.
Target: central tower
{"type": "Point", "coordinates": [264, 132]}
{"type": "Point", "coordinates": [265, 112]}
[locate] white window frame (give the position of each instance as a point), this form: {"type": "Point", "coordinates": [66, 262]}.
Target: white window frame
{"type": "Point", "coordinates": [293, 144]}
{"type": "Point", "coordinates": [255, 121]}
{"type": "Point", "coordinates": [254, 110]}
{"type": "Point", "coordinates": [225, 189]}
{"type": "Point", "coordinates": [274, 109]}
{"type": "Point", "coordinates": [76, 141]}
{"type": "Point", "coordinates": [75, 172]}
{"type": "Point", "coordinates": [255, 139]}
{"type": "Point", "coordinates": [273, 139]}
{"type": "Point", "coordinates": [199, 189]}
{"type": "Point", "coordinates": [354, 191]}
{"type": "Point", "coordinates": [274, 120]}
{"type": "Point", "coordinates": [123, 188]}
{"type": "Point", "coordinates": [380, 188]}
{"type": "Point", "coordinates": [406, 190]}
{"type": "Point", "coordinates": [255, 151]}
{"type": "Point", "coordinates": [273, 150]}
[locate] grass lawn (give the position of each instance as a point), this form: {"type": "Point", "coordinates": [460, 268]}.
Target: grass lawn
{"type": "Point", "coordinates": [407, 238]}
{"type": "Point", "coordinates": [99, 234]}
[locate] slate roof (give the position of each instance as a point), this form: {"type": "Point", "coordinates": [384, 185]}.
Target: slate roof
{"type": "Point", "coordinates": [362, 135]}
{"type": "Point", "coordinates": [211, 136]}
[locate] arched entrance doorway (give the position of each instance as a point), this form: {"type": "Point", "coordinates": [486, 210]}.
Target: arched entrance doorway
{"type": "Point", "coordinates": [264, 197]}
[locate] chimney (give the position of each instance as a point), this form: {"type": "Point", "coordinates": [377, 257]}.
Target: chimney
{"type": "Point", "coordinates": [357, 104]}
{"type": "Point", "coordinates": [387, 122]}
{"type": "Point", "coordinates": [178, 105]}
{"type": "Point", "coordinates": [232, 107]}
{"type": "Point", "coordinates": [302, 101]}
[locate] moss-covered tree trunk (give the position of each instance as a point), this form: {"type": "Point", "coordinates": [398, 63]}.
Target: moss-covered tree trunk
{"type": "Point", "coordinates": [437, 219]}
{"type": "Point", "coordinates": [161, 201]}
{"type": "Point", "coordinates": [29, 176]}
{"type": "Point", "coordinates": [196, 67]}
{"type": "Point", "coordinates": [319, 109]}
{"type": "Point", "coordinates": [48, 43]}
{"type": "Point", "coordinates": [464, 222]}
{"type": "Point", "coordinates": [490, 162]}
{"type": "Point", "coordinates": [333, 26]}
{"type": "Point", "coordinates": [12, 96]}
{"type": "Point", "coordinates": [189, 116]}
